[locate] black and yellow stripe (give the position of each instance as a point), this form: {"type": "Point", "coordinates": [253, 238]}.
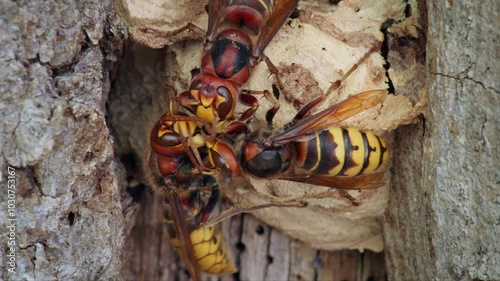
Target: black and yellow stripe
{"type": "Point", "coordinates": [342, 152]}
{"type": "Point", "coordinates": [209, 249]}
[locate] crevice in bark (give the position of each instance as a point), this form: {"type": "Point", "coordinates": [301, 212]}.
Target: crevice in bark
{"type": "Point", "coordinates": [240, 246]}
{"type": "Point", "coordinates": [458, 78]}
{"type": "Point", "coordinates": [384, 50]}
{"type": "Point", "coordinates": [269, 257]}
{"type": "Point", "coordinates": [318, 264]}
{"type": "Point", "coordinates": [408, 10]}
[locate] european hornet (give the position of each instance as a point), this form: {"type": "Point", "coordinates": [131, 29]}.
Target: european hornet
{"type": "Point", "coordinates": [176, 174]}
{"type": "Point", "coordinates": [312, 150]}
{"type": "Point", "coordinates": [180, 165]}
{"type": "Point", "coordinates": [174, 138]}
{"type": "Point", "coordinates": [185, 149]}
{"type": "Point", "coordinates": [189, 149]}
{"type": "Point", "coordinates": [186, 208]}
{"type": "Point", "coordinates": [238, 32]}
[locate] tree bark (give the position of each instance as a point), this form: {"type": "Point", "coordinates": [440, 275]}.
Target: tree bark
{"type": "Point", "coordinates": [67, 217]}
{"type": "Point", "coordinates": [443, 223]}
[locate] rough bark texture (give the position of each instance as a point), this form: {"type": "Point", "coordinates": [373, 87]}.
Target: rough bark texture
{"type": "Point", "coordinates": [443, 224]}
{"type": "Point", "coordinates": [55, 65]}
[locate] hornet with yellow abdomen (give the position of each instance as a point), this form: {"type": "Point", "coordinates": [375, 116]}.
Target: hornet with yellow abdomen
{"type": "Point", "coordinates": [190, 200]}
{"type": "Point", "coordinates": [342, 152]}
{"type": "Point", "coordinates": [208, 247]}
{"type": "Point", "coordinates": [209, 250]}
{"type": "Point", "coordinates": [195, 140]}
{"type": "Point", "coordinates": [313, 150]}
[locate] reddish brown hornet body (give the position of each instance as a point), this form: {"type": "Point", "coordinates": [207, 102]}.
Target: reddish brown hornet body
{"type": "Point", "coordinates": [188, 147]}
{"type": "Point", "coordinates": [175, 138]}
{"type": "Point", "coordinates": [238, 32]}
{"type": "Point", "coordinates": [189, 202]}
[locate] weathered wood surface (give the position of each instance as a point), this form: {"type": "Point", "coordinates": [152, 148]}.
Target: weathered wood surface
{"type": "Point", "coordinates": [443, 224]}
{"type": "Point", "coordinates": [261, 253]}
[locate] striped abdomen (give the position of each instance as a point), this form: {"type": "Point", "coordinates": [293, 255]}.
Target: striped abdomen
{"type": "Point", "coordinates": [230, 55]}
{"type": "Point", "coordinates": [342, 152]}
{"type": "Point", "coordinates": [209, 249]}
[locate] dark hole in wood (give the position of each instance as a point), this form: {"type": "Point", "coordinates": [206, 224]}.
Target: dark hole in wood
{"type": "Point", "coordinates": [270, 259]}
{"type": "Point", "coordinates": [408, 10]}
{"type": "Point", "coordinates": [71, 218]}
{"type": "Point", "coordinates": [276, 91]}
{"type": "Point", "coordinates": [295, 14]}
{"type": "Point", "coordinates": [88, 156]}
{"type": "Point", "coordinates": [240, 246]}
{"type": "Point", "coordinates": [195, 71]}
{"type": "Point", "coordinates": [259, 230]}
{"type": "Point", "coordinates": [318, 263]}
{"type": "Point", "coordinates": [186, 272]}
